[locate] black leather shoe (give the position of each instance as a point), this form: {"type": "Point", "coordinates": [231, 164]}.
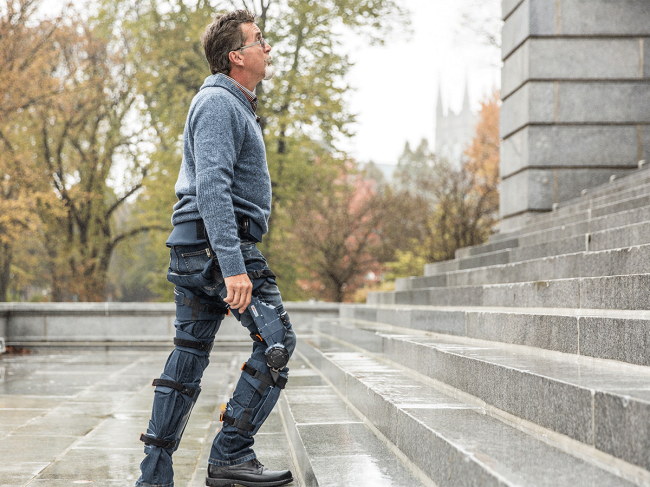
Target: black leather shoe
{"type": "Point", "coordinates": [248, 474]}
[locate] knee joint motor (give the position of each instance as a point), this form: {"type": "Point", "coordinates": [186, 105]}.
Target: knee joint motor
{"type": "Point", "coordinates": [271, 329]}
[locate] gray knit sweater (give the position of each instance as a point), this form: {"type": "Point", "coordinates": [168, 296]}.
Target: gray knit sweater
{"type": "Point", "coordinates": [224, 169]}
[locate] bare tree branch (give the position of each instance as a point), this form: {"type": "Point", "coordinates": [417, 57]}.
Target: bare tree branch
{"type": "Point", "coordinates": [136, 231]}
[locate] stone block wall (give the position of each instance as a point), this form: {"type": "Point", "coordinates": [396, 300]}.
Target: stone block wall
{"type": "Point", "coordinates": [576, 99]}
{"type": "Point", "coordinates": [136, 323]}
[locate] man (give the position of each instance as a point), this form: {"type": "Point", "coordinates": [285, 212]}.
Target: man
{"type": "Point", "coordinates": [224, 193]}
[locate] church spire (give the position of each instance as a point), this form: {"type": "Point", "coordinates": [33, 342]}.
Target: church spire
{"type": "Point", "coordinates": [466, 97]}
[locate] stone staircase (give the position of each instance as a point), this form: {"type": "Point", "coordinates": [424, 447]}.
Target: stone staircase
{"type": "Point", "coordinates": [522, 362]}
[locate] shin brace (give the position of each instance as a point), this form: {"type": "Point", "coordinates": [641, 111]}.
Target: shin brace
{"type": "Point", "coordinates": [174, 404]}
{"type": "Point", "coordinates": [176, 392]}
{"type": "Point", "coordinates": [248, 421]}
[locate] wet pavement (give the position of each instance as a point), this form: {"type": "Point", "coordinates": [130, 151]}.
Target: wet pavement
{"type": "Point", "coordinates": [74, 417]}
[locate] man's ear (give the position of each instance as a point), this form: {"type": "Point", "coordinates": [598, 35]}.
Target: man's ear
{"type": "Point", "coordinates": [235, 58]}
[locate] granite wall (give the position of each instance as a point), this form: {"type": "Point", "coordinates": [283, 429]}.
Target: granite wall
{"type": "Point", "coordinates": [145, 323]}
{"type": "Point", "coordinates": [575, 86]}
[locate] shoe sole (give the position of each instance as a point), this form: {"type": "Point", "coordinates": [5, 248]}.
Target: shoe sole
{"type": "Point", "coordinates": [212, 482]}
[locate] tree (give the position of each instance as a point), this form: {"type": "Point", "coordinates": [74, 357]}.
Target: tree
{"type": "Point", "coordinates": [406, 227]}
{"type": "Point", "coordinates": [446, 207]}
{"type": "Point", "coordinates": [414, 168]}
{"type": "Point", "coordinates": [483, 19]}
{"type": "Point", "coordinates": [338, 230]}
{"type": "Point", "coordinates": [483, 160]}
{"type": "Point", "coordinates": [27, 60]}
{"type": "Point", "coordinates": [78, 138]}
{"type": "Point", "coordinates": [134, 263]}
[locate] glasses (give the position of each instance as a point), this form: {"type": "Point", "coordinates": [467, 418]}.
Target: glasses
{"type": "Point", "coordinates": [260, 41]}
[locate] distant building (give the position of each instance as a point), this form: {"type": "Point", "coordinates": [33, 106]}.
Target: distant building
{"type": "Point", "coordinates": [454, 131]}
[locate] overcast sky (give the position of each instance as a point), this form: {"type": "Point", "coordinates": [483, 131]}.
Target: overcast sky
{"type": "Point", "coordinates": [397, 84]}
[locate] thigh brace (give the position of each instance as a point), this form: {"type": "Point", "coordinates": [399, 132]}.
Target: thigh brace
{"type": "Point", "coordinates": [190, 307]}
{"type": "Point", "coordinates": [173, 405]}
{"type": "Point", "coordinates": [249, 420]}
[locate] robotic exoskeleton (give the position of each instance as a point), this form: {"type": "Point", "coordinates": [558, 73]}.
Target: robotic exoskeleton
{"type": "Point", "coordinates": [200, 310]}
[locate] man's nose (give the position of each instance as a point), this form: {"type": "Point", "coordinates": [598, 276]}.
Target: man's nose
{"type": "Point", "coordinates": [268, 47]}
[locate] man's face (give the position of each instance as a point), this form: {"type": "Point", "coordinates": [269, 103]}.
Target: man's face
{"type": "Point", "coordinates": [257, 60]}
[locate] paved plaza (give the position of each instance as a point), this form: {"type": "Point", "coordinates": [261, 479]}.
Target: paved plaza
{"type": "Point", "coordinates": [73, 417]}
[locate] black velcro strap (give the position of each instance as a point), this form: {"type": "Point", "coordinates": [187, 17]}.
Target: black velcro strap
{"type": "Point", "coordinates": [151, 440]}
{"type": "Point", "coordinates": [260, 273]}
{"type": "Point", "coordinates": [247, 229]}
{"type": "Point", "coordinates": [266, 379]}
{"type": "Point", "coordinates": [197, 306]}
{"type": "Point", "coordinates": [183, 389]}
{"type": "Point", "coordinates": [236, 423]}
{"type": "Point", "coordinates": [201, 234]}
{"type": "Point", "coordinates": [247, 415]}
{"type": "Point", "coordinates": [202, 346]}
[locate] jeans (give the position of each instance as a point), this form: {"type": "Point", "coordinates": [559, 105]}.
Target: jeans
{"type": "Point", "coordinates": [191, 269]}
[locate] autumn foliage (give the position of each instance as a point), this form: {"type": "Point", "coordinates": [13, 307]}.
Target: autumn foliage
{"type": "Point", "coordinates": [91, 120]}
{"type": "Point", "coordinates": [64, 131]}
{"type": "Point", "coordinates": [446, 205]}
{"type": "Point", "coordinates": [337, 234]}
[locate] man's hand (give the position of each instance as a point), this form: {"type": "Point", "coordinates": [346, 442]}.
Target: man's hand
{"type": "Point", "coordinates": [239, 289]}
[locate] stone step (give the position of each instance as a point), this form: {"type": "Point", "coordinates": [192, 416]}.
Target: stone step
{"type": "Point", "coordinates": [612, 194]}
{"type": "Point", "coordinates": [457, 440]}
{"type": "Point", "coordinates": [508, 243]}
{"type": "Point", "coordinates": [620, 335]}
{"type": "Point", "coordinates": [603, 223]}
{"type": "Point", "coordinates": [620, 237]}
{"type": "Point", "coordinates": [628, 292]}
{"type": "Point", "coordinates": [604, 407]}
{"type": "Point", "coordinates": [606, 193]}
{"type": "Point", "coordinates": [595, 219]}
{"type": "Point", "coordinates": [630, 180]}
{"type": "Point", "coordinates": [633, 210]}
{"type": "Point", "coordinates": [621, 261]}
{"type": "Point", "coordinates": [577, 211]}
{"type": "Point", "coordinates": [331, 444]}
{"type": "Point", "coordinates": [638, 191]}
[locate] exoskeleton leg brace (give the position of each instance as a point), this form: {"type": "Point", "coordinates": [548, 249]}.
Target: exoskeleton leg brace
{"type": "Point", "coordinates": [178, 388]}
{"type": "Point", "coordinates": [271, 325]}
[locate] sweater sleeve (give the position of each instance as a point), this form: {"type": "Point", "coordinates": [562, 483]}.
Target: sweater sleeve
{"type": "Point", "coordinates": [217, 131]}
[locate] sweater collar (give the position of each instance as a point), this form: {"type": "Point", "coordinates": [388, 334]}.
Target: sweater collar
{"type": "Point", "coordinates": [250, 96]}
{"type": "Point", "coordinates": [223, 81]}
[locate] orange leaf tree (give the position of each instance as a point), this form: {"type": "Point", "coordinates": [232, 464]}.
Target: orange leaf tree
{"type": "Point", "coordinates": [28, 58]}
{"type": "Point", "coordinates": [337, 233]}
{"type": "Point", "coordinates": [453, 205]}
